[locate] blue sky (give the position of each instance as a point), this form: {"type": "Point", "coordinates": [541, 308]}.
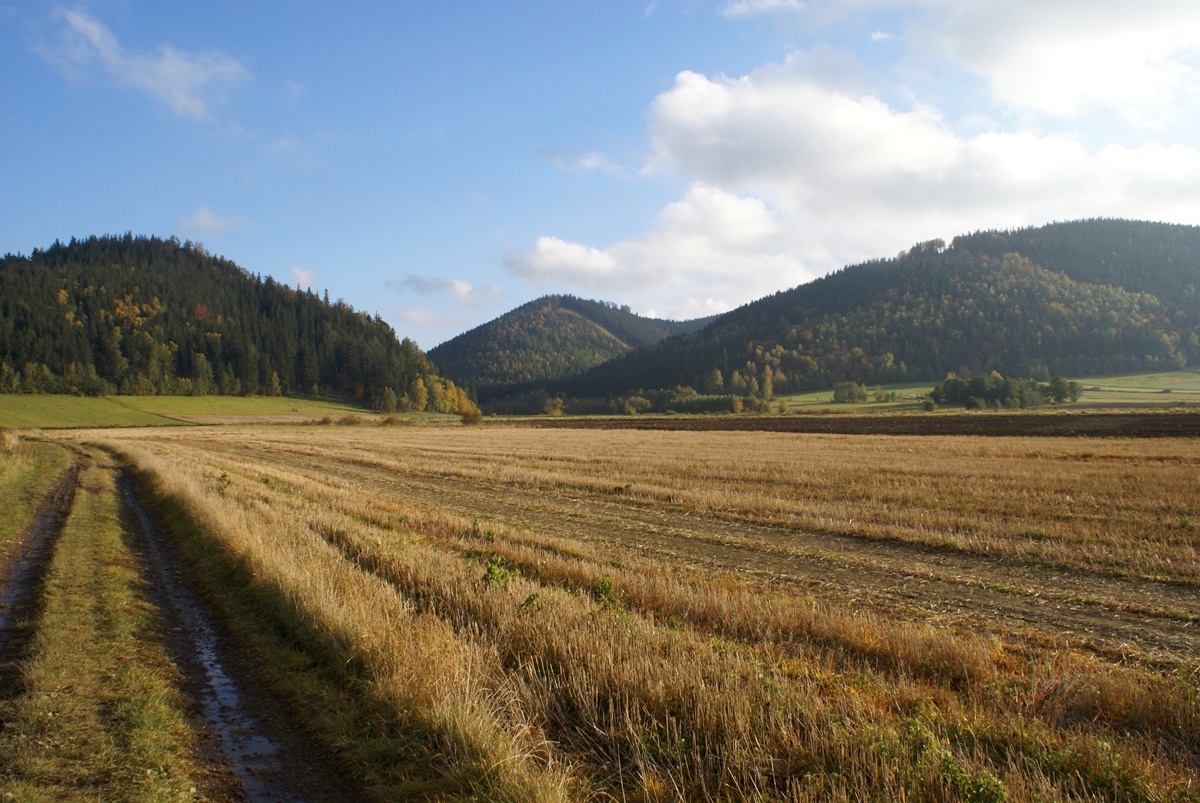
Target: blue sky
{"type": "Point", "coordinates": [441, 163]}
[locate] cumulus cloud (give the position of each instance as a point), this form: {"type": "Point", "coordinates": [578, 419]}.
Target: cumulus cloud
{"type": "Point", "coordinates": [187, 83]}
{"type": "Point", "coordinates": [1053, 57]}
{"type": "Point", "coordinates": [463, 293]}
{"type": "Point", "coordinates": [708, 252]}
{"type": "Point", "coordinates": [838, 160]}
{"type": "Point", "coordinates": [1137, 59]}
{"type": "Point", "coordinates": [555, 259]}
{"type": "Point", "coordinates": [790, 177]}
{"type": "Point", "coordinates": [205, 221]}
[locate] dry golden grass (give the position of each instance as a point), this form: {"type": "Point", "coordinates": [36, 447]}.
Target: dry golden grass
{"type": "Point", "coordinates": [543, 666]}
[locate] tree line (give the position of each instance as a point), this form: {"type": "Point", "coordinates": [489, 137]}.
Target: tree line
{"type": "Point", "coordinates": [1120, 297]}
{"type": "Point", "coordinates": [547, 339]}
{"type": "Point", "coordinates": [144, 315]}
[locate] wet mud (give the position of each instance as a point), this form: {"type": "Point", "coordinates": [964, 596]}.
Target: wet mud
{"type": "Point", "coordinates": [270, 760]}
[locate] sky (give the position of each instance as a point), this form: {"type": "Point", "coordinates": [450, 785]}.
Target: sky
{"type": "Point", "coordinates": [439, 163]}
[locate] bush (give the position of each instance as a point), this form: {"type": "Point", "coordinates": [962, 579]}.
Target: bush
{"type": "Point", "coordinates": [849, 393]}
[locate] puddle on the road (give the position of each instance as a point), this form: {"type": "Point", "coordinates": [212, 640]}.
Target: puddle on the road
{"type": "Point", "coordinates": [252, 755]}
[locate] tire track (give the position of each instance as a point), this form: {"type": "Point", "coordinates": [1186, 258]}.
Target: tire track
{"type": "Point", "coordinates": [270, 762]}
{"type": "Point", "coordinates": [22, 578]}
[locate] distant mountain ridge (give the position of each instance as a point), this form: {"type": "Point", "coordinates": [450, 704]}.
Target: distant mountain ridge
{"type": "Point", "coordinates": [546, 339]}
{"type": "Point", "coordinates": [144, 315]}
{"type": "Point", "coordinates": [1090, 296]}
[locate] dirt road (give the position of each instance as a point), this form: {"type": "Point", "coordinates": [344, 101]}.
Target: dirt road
{"type": "Point", "coordinates": [247, 728]}
{"type": "Point", "coordinates": [248, 749]}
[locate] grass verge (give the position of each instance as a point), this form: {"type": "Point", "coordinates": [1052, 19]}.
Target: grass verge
{"type": "Point", "coordinates": [28, 473]}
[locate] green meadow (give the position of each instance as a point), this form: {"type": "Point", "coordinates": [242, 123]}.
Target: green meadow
{"type": "Point", "coordinates": [908, 397]}
{"type": "Point", "coordinates": [59, 412]}
{"type": "Point", "coordinates": [1166, 387]}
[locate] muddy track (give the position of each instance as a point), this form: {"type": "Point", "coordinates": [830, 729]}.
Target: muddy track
{"type": "Point", "coordinates": [247, 726]}
{"type": "Point", "coordinates": [1116, 617]}
{"type": "Point", "coordinates": [22, 576]}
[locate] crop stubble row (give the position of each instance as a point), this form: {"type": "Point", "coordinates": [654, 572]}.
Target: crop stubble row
{"type": "Point", "coordinates": [378, 498]}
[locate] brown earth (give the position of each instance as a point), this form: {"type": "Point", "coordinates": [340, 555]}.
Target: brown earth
{"type": "Point", "coordinates": [995, 424]}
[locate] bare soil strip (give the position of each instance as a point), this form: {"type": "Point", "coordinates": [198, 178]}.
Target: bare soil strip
{"type": "Point", "coordinates": [270, 762]}
{"type": "Point", "coordinates": [1114, 616]}
{"type": "Point", "coordinates": [1090, 425]}
{"type": "Point", "coordinates": [21, 576]}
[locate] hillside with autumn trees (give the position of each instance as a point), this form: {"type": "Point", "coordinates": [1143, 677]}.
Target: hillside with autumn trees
{"type": "Point", "coordinates": [1076, 298]}
{"type": "Point", "coordinates": [144, 316]}
{"type": "Point", "coordinates": [548, 338]}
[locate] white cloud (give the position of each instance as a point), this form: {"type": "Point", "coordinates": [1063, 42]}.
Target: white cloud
{"type": "Point", "coordinates": [188, 83]}
{"type": "Point", "coordinates": [789, 177]}
{"type": "Point", "coordinates": [1061, 59]}
{"type": "Point", "coordinates": [426, 317]}
{"type": "Point", "coordinates": [709, 251]}
{"type": "Point", "coordinates": [589, 162]}
{"type": "Point", "coordinates": [555, 259]}
{"type": "Point", "coordinates": [205, 221]}
{"type": "Point", "coordinates": [463, 293]}
{"type": "Point", "coordinates": [305, 278]}
{"type": "Point", "coordinates": [831, 157]}
{"type": "Point", "coordinates": [749, 8]}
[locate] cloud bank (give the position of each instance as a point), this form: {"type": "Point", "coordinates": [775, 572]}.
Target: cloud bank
{"type": "Point", "coordinates": [792, 171]}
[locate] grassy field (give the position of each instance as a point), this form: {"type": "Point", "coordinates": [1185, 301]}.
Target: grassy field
{"type": "Point", "coordinates": [99, 716]}
{"type": "Point", "coordinates": [63, 412]}
{"type": "Point", "coordinates": [1149, 389]}
{"type": "Point", "coordinates": [36, 412]}
{"type": "Point", "coordinates": [909, 397]}
{"type": "Point", "coordinates": [542, 615]}
{"type": "Point", "coordinates": [1159, 388]}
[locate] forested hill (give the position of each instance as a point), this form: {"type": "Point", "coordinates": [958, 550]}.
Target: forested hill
{"type": "Point", "coordinates": [1094, 296]}
{"type": "Point", "coordinates": [549, 338]}
{"type": "Point", "coordinates": [143, 315]}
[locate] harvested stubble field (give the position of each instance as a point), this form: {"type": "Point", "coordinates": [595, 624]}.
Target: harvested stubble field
{"type": "Point", "coordinates": [512, 613]}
